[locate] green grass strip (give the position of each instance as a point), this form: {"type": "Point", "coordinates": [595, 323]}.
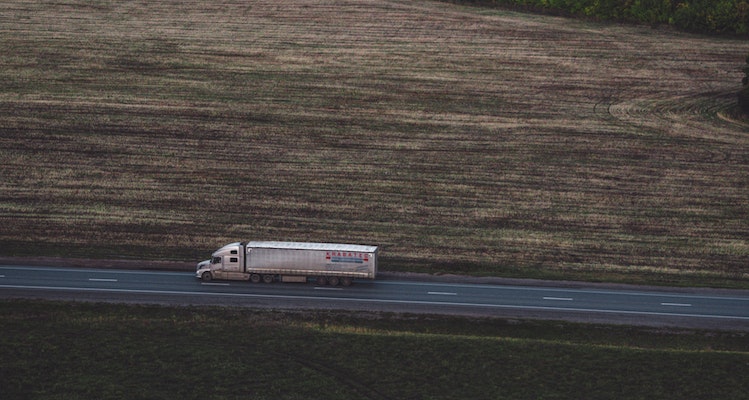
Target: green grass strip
{"type": "Point", "coordinates": [56, 350]}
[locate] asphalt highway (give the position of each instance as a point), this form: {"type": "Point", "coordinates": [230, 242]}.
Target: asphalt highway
{"type": "Point", "coordinates": [649, 306]}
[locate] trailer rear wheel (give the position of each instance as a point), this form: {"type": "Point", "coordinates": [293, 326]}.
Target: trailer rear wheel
{"type": "Point", "coordinates": [321, 280]}
{"type": "Point", "coordinates": [255, 278]}
{"type": "Point", "coordinates": [268, 278]}
{"type": "Point", "coordinates": [334, 281]}
{"type": "Point", "coordinates": [346, 281]}
{"type": "Point", "coordinates": [206, 276]}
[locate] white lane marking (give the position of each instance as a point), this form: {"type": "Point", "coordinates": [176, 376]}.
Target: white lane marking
{"type": "Point", "coordinates": [443, 293]}
{"type": "Point", "coordinates": [327, 288]}
{"type": "Point", "coordinates": [92, 270]}
{"type": "Point", "coordinates": [102, 280]}
{"type": "Point", "coordinates": [676, 304]}
{"type": "Point", "coordinates": [2, 276]}
{"type": "Point", "coordinates": [565, 291]}
{"type": "Point", "coordinates": [214, 284]}
{"type": "Point", "coordinates": [381, 301]}
{"type": "Point", "coordinates": [558, 298]}
{"type": "Point", "coordinates": [401, 283]}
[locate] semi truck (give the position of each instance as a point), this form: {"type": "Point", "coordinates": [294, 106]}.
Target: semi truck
{"type": "Point", "coordinates": [323, 263]}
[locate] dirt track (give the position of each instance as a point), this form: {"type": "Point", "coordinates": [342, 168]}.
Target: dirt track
{"type": "Point", "coordinates": [459, 139]}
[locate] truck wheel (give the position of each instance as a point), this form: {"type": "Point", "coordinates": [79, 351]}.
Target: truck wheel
{"type": "Point", "coordinates": [334, 281]}
{"type": "Point", "coordinates": [206, 276]}
{"type": "Point", "coordinates": [255, 278]}
{"type": "Point", "coordinates": [346, 281]}
{"type": "Point", "coordinates": [267, 278]}
{"type": "Point", "coordinates": [321, 281]}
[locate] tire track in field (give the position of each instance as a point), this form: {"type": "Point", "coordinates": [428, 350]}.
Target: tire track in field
{"type": "Point", "coordinates": [694, 115]}
{"type": "Point", "coordinates": [345, 379]}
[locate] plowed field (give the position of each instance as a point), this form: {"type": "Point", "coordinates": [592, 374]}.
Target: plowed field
{"type": "Point", "coordinates": [461, 140]}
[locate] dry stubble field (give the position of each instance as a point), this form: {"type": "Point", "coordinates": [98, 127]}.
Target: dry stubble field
{"type": "Point", "coordinates": [459, 139]}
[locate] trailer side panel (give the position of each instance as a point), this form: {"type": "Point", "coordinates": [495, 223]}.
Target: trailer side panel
{"type": "Point", "coordinates": [311, 259]}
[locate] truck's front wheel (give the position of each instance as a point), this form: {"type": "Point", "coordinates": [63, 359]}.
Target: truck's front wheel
{"type": "Point", "coordinates": [206, 276]}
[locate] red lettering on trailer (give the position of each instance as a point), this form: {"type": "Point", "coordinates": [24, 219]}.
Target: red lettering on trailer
{"type": "Point", "coordinates": [361, 256]}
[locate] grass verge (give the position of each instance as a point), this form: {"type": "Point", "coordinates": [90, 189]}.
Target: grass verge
{"type": "Point", "coordinates": [54, 350]}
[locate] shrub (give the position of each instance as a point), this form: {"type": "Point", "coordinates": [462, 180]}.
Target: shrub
{"type": "Point", "coordinates": [651, 11]}
{"type": "Point", "coordinates": [744, 100]}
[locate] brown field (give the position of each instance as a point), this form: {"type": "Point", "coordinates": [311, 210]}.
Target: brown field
{"type": "Point", "coordinates": [461, 140]}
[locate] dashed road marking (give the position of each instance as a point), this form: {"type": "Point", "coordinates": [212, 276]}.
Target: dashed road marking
{"type": "Point", "coordinates": [676, 304]}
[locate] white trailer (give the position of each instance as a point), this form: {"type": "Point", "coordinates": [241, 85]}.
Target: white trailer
{"type": "Point", "coordinates": [325, 263]}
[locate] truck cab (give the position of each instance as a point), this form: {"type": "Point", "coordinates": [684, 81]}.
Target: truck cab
{"type": "Point", "coordinates": [225, 263]}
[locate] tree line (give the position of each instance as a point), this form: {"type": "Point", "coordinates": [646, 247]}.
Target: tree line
{"type": "Point", "coordinates": [724, 17]}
